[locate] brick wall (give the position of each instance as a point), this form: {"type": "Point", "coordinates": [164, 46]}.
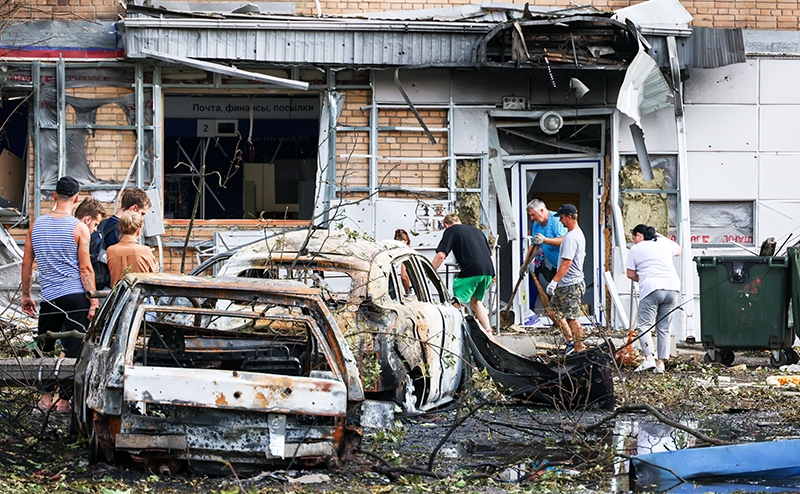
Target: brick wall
{"type": "Point", "coordinates": [61, 10]}
{"type": "Point", "coordinates": [746, 14]}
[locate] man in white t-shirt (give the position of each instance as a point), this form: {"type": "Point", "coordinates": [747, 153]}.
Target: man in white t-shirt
{"type": "Point", "coordinates": [650, 263]}
{"type": "Point", "coordinates": [567, 287]}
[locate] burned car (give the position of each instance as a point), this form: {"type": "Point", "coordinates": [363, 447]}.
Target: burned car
{"type": "Point", "coordinates": [213, 372]}
{"type": "Point", "coordinates": [407, 337]}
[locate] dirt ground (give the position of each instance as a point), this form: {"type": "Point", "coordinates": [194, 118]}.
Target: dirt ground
{"type": "Point", "coordinates": [505, 446]}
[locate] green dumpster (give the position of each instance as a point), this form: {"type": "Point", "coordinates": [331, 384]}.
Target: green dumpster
{"type": "Point", "coordinates": [744, 305]}
{"type": "Point", "coordinates": [794, 275]}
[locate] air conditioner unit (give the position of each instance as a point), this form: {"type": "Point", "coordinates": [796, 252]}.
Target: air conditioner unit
{"type": "Point", "coordinates": [227, 128]}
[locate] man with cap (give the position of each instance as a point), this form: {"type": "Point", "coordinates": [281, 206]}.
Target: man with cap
{"type": "Point", "coordinates": [567, 286]}
{"type": "Point", "coordinates": [59, 242]}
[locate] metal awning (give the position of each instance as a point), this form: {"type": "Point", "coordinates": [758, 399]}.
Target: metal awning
{"type": "Point", "coordinates": [225, 70]}
{"type": "Point", "coordinates": [304, 41]}
{"type": "Point", "coordinates": [593, 40]}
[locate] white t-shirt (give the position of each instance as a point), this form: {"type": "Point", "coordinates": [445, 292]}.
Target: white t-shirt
{"type": "Point", "coordinates": [573, 246]}
{"type": "Point", "coordinates": [653, 262]}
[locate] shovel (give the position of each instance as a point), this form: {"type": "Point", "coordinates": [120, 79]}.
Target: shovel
{"type": "Point", "coordinates": [507, 316]}
{"type": "Point", "coordinates": [545, 301]}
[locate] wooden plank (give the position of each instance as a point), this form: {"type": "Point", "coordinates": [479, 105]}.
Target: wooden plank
{"type": "Point", "coordinates": [35, 371]}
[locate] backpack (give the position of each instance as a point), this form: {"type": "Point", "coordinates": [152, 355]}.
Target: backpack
{"type": "Point", "coordinates": [97, 253]}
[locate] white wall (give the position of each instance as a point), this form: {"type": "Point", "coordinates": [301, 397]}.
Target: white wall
{"type": "Point", "coordinates": [743, 142]}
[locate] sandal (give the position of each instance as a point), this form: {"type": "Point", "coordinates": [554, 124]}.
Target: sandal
{"type": "Point", "coordinates": [63, 406]}
{"type": "Point", "coordinates": [45, 404]}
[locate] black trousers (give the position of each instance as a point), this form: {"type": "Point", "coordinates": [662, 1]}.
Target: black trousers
{"type": "Point", "coordinates": [66, 313]}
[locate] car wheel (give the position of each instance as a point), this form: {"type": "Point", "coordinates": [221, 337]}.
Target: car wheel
{"type": "Point", "coordinates": [98, 453]}
{"type": "Point", "coordinates": [94, 448]}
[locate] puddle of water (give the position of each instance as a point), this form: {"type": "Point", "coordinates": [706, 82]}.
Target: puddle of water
{"type": "Point", "coordinates": [633, 438]}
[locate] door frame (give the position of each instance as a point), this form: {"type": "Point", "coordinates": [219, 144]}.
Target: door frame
{"type": "Point", "coordinates": [520, 165]}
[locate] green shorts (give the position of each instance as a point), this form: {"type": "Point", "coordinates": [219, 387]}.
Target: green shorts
{"type": "Point", "coordinates": [474, 286]}
{"type": "Point", "coordinates": [566, 300]}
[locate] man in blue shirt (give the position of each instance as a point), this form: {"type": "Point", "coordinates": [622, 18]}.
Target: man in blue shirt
{"type": "Point", "coordinates": [547, 232]}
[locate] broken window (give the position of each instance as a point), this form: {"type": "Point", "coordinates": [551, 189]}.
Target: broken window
{"type": "Point", "coordinates": [268, 341]}
{"type": "Point", "coordinates": [334, 285]}
{"type": "Point", "coordinates": [721, 222]}
{"type": "Point", "coordinates": [13, 150]}
{"type": "Point", "coordinates": [437, 291]}
{"type": "Point", "coordinates": [651, 202]}
{"type": "Point", "coordinates": [259, 155]}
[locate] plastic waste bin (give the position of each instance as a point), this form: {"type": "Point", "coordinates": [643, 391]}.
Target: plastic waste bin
{"type": "Point", "coordinates": [744, 305]}
{"type": "Point", "coordinates": [794, 275]}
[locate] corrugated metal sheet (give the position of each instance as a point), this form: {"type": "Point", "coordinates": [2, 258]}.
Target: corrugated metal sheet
{"type": "Point", "coordinates": [707, 48]}
{"type": "Point", "coordinates": [336, 43]}
{"type": "Point", "coordinates": [368, 42]}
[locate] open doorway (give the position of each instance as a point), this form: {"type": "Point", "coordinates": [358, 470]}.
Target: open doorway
{"type": "Point", "coordinates": [565, 182]}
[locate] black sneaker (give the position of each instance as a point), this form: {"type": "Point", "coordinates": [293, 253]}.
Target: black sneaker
{"type": "Point", "coordinates": [569, 349]}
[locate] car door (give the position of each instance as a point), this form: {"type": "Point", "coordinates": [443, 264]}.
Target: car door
{"type": "Point", "coordinates": [431, 320]}
{"type": "Point", "coordinates": [101, 354]}
{"type": "Point", "coordinates": [447, 338]}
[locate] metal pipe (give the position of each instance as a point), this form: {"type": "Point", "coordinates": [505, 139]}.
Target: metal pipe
{"type": "Point", "coordinates": [62, 118]}
{"type": "Point", "coordinates": [140, 164]}
{"type": "Point", "coordinates": [37, 154]}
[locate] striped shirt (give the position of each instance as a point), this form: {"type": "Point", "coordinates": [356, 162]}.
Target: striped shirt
{"type": "Point", "coordinates": [53, 243]}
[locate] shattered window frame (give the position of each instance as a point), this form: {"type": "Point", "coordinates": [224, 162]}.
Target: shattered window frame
{"type": "Point", "coordinates": [708, 218]}
{"type": "Point", "coordinates": [664, 184]}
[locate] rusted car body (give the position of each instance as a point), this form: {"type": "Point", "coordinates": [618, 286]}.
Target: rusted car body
{"type": "Point", "coordinates": [409, 344]}
{"type": "Point", "coordinates": [219, 371]}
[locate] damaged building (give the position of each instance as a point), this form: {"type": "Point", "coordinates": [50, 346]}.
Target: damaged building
{"type": "Point", "coordinates": [372, 120]}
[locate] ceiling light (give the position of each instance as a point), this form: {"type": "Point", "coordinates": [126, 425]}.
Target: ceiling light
{"type": "Point", "coordinates": [551, 122]}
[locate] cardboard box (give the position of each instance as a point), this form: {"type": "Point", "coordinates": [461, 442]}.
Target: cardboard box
{"type": "Point", "coordinates": [13, 173]}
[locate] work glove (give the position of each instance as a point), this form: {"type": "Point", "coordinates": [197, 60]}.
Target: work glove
{"type": "Point", "coordinates": [538, 239]}
{"type": "Point", "coordinates": [551, 287]}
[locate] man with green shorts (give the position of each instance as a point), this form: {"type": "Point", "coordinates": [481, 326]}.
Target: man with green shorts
{"type": "Point", "coordinates": [567, 287]}
{"type": "Point", "coordinates": [474, 257]}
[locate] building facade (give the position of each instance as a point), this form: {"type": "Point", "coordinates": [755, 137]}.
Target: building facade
{"type": "Point", "coordinates": [370, 117]}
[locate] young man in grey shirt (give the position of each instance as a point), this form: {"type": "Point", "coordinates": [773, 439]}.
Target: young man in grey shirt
{"type": "Point", "coordinates": [567, 288]}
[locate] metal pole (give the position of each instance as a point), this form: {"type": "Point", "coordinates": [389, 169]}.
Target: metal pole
{"type": "Point", "coordinates": [373, 159]}
{"type": "Point", "coordinates": [37, 153]}
{"type": "Point", "coordinates": [62, 117]}
{"type": "Point", "coordinates": [158, 120]}
{"type": "Point", "coordinates": [140, 125]}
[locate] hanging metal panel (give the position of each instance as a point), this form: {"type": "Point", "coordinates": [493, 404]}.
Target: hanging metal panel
{"type": "Point", "coordinates": [337, 44]}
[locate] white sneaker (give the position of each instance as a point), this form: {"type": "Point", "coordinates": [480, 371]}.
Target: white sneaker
{"type": "Point", "coordinates": [659, 367]}
{"type": "Point", "coordinates": [646, 365]}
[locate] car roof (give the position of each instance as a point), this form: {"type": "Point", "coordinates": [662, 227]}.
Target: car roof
{"type": "Point", "coordinates": [324, 247]}
{"type": "Point", "coordinates": [282, 287]}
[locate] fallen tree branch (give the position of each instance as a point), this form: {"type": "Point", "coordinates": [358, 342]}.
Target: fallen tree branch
{"type": "Point", "coordinates": [49, 335]}
{"type": "Point", "coordinates": [394, 472]}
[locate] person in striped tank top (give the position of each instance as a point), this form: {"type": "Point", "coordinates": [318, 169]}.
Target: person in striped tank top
{"type": "Point", "coordinates": [59, 243]}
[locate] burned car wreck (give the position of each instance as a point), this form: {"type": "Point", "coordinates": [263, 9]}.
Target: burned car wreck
{"type": "Point", "coordinates": [215, 372]}
{"type": "Point", "coordinates": [391, 305]}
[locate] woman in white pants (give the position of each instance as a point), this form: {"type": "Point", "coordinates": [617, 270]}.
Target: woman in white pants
{"type": "Point", "coordinates": [650, 263]}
